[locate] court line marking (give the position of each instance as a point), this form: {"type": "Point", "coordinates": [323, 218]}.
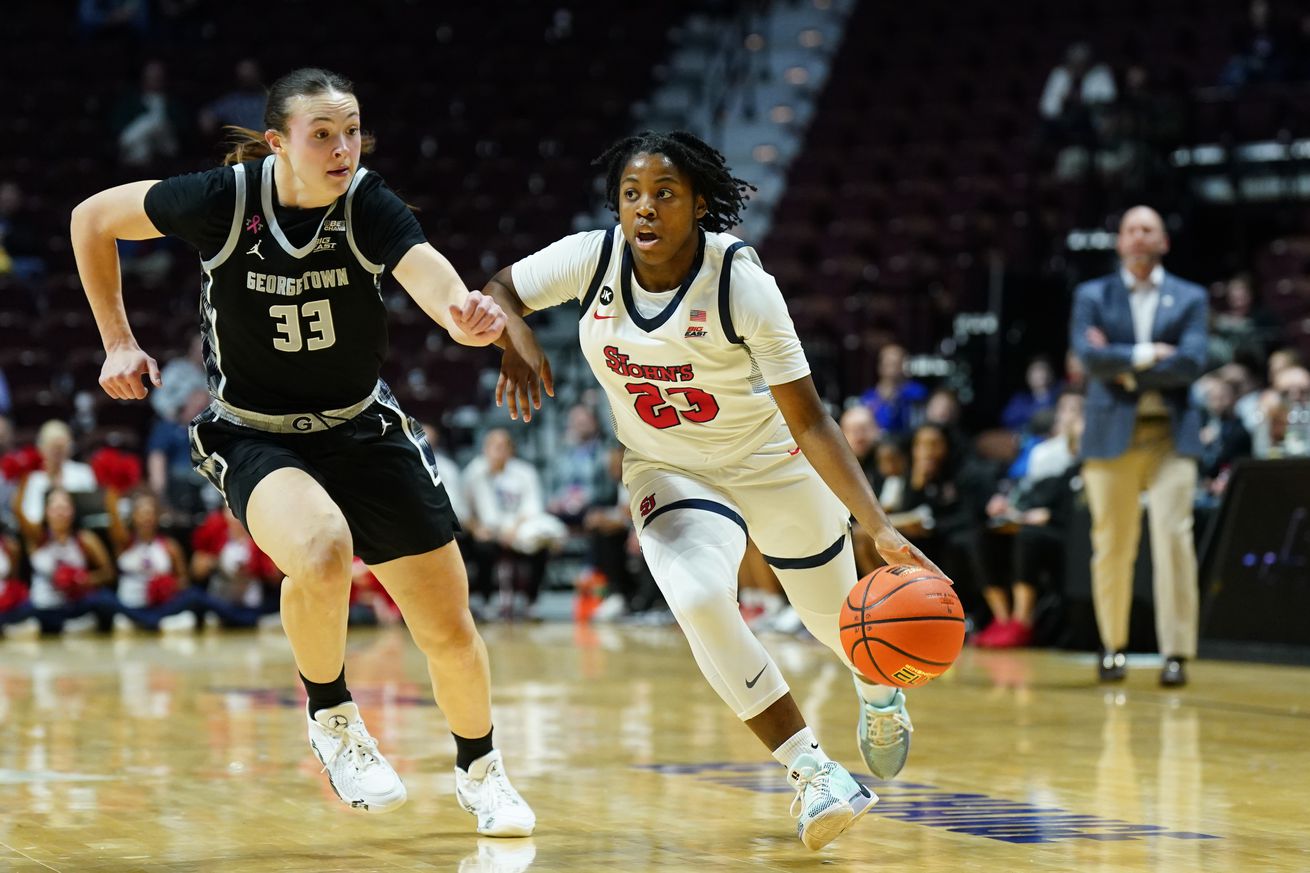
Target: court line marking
{"type": "Point", "coordinates": [29, 857]}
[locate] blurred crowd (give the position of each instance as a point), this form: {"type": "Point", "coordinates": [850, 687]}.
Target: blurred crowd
{"type": "Point", "coordinates": [95, 538]}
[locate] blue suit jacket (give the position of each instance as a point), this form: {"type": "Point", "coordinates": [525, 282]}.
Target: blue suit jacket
{"type": "Point", "coordinates": [1111, 410]}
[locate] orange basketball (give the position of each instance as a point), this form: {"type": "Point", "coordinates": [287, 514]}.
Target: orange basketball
{"type": "Point", "coordinates": [902, 625]}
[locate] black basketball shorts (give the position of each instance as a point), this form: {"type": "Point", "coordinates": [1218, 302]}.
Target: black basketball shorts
{"type": "Point", "coordinates": [378, 468]}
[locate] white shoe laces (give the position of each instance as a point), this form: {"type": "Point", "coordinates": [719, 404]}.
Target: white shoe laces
{"type": "Point", "coordinates": [355, 739]}
{"type": "Point", "coordinates": [885, 728]}
{"type": "Point", "coordinates": [501, 790]}
{"type": "Point", "coordinates": [818, 778]}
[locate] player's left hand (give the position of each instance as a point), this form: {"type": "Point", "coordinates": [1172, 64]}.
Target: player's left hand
{"type": "Point", "coordinates": [480, 319]}
{"type": "Point", "coordinates": [524, 374]}
{"type": "Point", "coordinates": [896, 549]}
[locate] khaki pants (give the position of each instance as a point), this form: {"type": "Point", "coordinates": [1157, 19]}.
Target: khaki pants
{"type": "Point", "coordinates": [1114, 489]}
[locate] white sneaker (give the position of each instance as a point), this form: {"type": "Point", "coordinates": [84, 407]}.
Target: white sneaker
{"type": "Point", "coordinates": [83, 624]}
{"type": "Point", "coordinates": [182, 623]}
{"type": "Point", "coordinates": [27, 629]}
{"type": "Point", "coordinates": [356, 770]}
{"type": "Point", "coordinates": [828, 800]}
{"type": "Point", "coordinates": [486, 792]}
{"type": "Point", "coordinates": [884, 735]}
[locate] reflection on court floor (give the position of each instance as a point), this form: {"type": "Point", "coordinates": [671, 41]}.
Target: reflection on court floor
{"type": "Point", "coordinates": [142, 753]}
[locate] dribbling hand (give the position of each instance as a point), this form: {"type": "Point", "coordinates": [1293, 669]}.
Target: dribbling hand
{"type": "Point", "coordinates": [896, 549]}
{"type": "Point", "coordinates": [121, 374]}
{"type": "Point", "coordinates": [522, 375]}
{"type": "Point", "coordinates": [480, 319]}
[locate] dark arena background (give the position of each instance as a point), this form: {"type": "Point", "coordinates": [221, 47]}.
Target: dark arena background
{"type": "Point", "coordinates": [932, 182]}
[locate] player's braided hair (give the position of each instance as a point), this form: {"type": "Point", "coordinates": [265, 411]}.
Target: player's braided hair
{"type": "Point", "coordinates": [725, 195]}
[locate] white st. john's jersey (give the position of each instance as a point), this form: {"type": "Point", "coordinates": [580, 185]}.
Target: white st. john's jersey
{"type": "Point", "coordinates": [687, 372]}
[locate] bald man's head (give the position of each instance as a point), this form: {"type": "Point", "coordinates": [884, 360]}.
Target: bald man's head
{"type": "Point", "coordinates": [1142, 242]}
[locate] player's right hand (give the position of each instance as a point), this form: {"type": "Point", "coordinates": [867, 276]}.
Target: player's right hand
{"type": "Point", "coordinates": [896, 549]}
{"type": "Point", "coordinates": [523, 372]}
{"type": "Point", "coordinates": [121, 374]}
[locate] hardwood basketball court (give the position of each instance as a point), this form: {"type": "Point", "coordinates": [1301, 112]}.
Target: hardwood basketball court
{"type": "Point", "coordinates": [143, 753]}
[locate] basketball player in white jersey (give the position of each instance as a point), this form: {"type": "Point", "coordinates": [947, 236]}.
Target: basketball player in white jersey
{"type": "Point", "coordinates": [725, 433]}
{"type": "Point", "coordinates": [307, 444]}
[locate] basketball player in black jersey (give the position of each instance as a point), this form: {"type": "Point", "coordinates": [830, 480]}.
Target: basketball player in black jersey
{"type": "Point", "coordinates": [308, 446]}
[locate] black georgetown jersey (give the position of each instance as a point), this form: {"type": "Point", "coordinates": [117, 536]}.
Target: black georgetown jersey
{"type": "Point", "coordinates": [291, 311]}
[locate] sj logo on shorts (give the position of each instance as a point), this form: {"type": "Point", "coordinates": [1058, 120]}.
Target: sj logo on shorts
{"type": "Point", "coordinates": [647, 504]}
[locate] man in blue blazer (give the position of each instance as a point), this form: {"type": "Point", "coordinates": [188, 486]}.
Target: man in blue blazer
{"type": "Point", "coordinates": [1141, 334]}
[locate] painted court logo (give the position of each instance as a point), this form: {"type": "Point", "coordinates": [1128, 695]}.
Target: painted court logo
{"type": "Point", "coordinates": [978, 815]}
{"type": "Point", "coordinates": [255, 223]}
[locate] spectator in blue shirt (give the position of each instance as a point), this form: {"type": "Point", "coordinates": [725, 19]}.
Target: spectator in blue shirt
{"type": "Point", "coordinates": [896, 400]}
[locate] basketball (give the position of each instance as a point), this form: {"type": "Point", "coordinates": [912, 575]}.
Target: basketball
{"type": "Point", "coordinates": [902, 625]}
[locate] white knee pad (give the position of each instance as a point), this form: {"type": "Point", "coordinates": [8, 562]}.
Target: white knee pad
{"type": "Point", "coordinates": [693, 554]}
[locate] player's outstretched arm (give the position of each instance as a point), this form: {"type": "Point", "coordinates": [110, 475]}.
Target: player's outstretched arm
{"type": "Point", "coordinates": [471, 318]}
{"type": "Point", "coordinates": [818, 436]}
{"type": "Point", "coordinates": [524, 368]}
{"type": "Point", "coordinates": [97, 224]}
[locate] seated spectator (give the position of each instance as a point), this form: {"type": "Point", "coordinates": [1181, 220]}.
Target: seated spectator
{"type": "Point", "coordinates": [862, 434]}
{"type": "Point", "coordinates": [1244, 328]}
{"type": "Point", "coordinates": [511, 532]}
{"type": "Point", "coordinates": [243, 106]}
{"type": "Point", "coordinates": [943, 410]}
{"type": "Point", "coordinates": [1290, 388]}
{"type": "Point", "coordinates": [148, 122]}
{"type": "Point", "coordinates": [55, 443]}
{"type": "Point", "coordinates": [577, 473]}
{"type": "Point", "coordinates": [892, 472]}
{"type": "Point", "coordinates": [242, 583]}
{"type": "Point", "coordinates": [938, 515]}
{"type": "Point", "coordinates": [154, 592]}
{"type": "Point", "coordinates": [1040, 394]}
{"type": "Point", "coordinates": [1247, 391]}
{"type": "Point", "coordinates": [1036, 512]}
{"type": "Point", "coordinates": [1223, 438]}
{"type": "Point", "coordinates": [72, 572]}
{"type": "Point", "coordinates": [896, 400]}
{"type": "Point", "coordinates": [21, 252]}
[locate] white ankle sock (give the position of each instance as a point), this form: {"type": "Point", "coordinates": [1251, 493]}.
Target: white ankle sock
{"type": "Point", "coordinates": [801, 743]}
{"type": "Point", "coordinates": [875, 695]}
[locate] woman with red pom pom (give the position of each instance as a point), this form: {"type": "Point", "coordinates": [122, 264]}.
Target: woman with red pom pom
{"type": "Point", "coordinates": [71, 572]}
{"type": "Point", "coordinates": [152, 577]}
